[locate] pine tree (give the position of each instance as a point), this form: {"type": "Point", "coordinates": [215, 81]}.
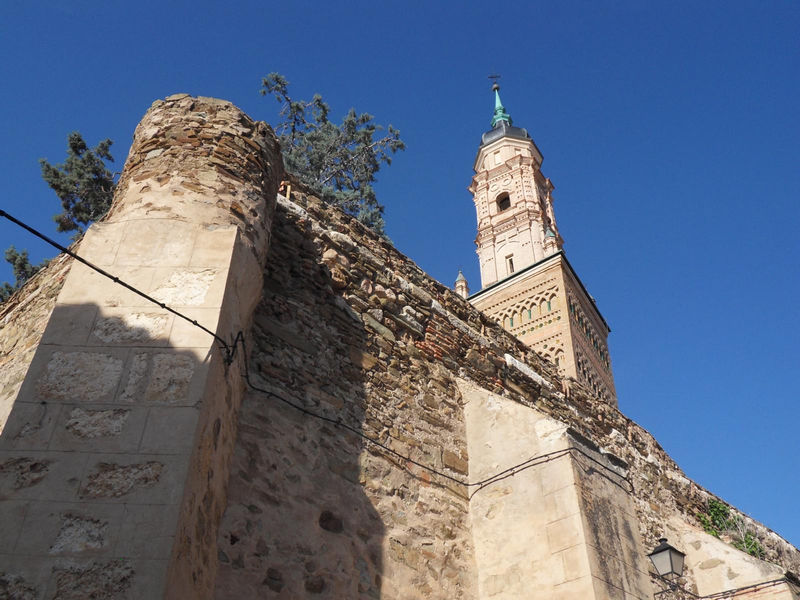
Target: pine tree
{"type": "Point", "coordinates": [85, 187]}
{"type": "Point", "coordinates": [23, 270]}
{"type": "Point", "coordinates": [82, 182]}
{"type": "Point", "coordinates": [338, 162]}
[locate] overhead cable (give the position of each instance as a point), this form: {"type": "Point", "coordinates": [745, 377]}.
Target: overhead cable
{"type": "Point", "coordinates": [229, 351]}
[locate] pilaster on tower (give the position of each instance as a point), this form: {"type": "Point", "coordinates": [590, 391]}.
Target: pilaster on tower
{"type": "Point", "coordinates": [527, 283]}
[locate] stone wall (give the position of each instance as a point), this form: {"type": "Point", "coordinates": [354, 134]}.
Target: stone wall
{"type": "Point", "coordinates": [350, 328]}
{"type": "Point", "coordinates": [118, 488]}
{"type": "Point", "coordinates": [315, 510]}
{"type": "Point", "coordinates": [22, 321]}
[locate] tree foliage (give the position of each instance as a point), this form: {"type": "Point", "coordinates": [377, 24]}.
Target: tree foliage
{"type": "Point", "coordinates": [82, 182]}
{"type": "Point", "coordinates": [338, 162]}
{"type": "Point", "coordinates": [85, 187]}
{"type": "Point", "coordinates": [23, 270]}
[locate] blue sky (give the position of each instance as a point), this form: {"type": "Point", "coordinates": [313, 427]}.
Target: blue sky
{"type": "Point", "coordinates": [670, 130]}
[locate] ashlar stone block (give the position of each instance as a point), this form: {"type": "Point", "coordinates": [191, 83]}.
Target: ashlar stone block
{"type": "Point", "coordinates": [30, 425]}
{"type": "Point", "coordinates": [99, 428]}
{"type": "Point", "coordinates": [213, 248]}
{"type": "Point", "coordinates": [34, 475]}
{"type": "Point", "coordinates": [87, 287]}
{"type": "Point", "coordinates": [156, 243]}
{"type": "Point", "coordinates": [188, 287]}
{"type": "Point", "coordinates": [90, 376]}
{"type": "Point", "coordinates": [69, 529]}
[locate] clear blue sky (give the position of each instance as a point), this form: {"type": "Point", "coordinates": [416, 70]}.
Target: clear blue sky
{"type": "Point", "coordinates": [670, 130]}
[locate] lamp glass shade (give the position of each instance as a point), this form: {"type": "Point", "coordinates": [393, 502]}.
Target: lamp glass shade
{"type": "Point", "coordinates": [662, 563]}
{"type": "Point", "coordinates": [666, 559]}
{"type": "Point", "coordinates": [677, 561]}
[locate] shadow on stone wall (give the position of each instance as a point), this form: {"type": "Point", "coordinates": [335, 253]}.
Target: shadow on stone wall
{"type": "Point", "coordinates": [95, 455]}
{"type": "Point", "coordinates": [299, 523]}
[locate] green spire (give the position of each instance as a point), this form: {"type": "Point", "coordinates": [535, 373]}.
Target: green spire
{"type": "Point", "coordinates": [500, 113]}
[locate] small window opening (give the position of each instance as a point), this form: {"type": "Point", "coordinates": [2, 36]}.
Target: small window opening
{"type": "Point", "coordinates": [510, 264]}
{"type": "Point", "coordinates": [503, 202]}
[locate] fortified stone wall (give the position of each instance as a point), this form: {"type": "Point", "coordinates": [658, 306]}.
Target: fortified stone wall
{"type": "Point", "coordinates": [371, 337]}
{"type": "Point", "coordinates": [349, 340]}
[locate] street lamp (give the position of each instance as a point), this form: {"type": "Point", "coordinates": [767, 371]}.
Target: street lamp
{"type": "Point", "coordinates": [667, 560]}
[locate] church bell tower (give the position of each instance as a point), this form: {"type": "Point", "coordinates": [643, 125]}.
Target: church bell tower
{"type": "Point", "coordinates": [527, 284]}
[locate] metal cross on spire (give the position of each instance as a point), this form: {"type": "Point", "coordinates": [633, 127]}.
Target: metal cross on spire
{"type": "Point", "coordinates": [494, 77]}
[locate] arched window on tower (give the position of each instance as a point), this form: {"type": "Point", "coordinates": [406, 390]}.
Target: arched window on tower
{"type": "Point", "coordinates": [503, 202]}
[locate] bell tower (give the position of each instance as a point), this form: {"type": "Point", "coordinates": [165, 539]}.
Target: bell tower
{"type": "Point", "coordinates": [527, 284]}
{"type": "Point", "coordinates": [516, 224]}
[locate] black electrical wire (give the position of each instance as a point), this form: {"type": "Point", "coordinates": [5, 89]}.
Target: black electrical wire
{"type": "Point", "coordinates": [752, 587]}
{"type": "Point", "coordinates": [229, 352]}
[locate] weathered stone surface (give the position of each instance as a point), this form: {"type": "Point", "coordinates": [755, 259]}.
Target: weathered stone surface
{"type": "Point", "coordinates": [187, 159]}
{"type": "Point", "coordinates": [131, 327]}
{"type": "Point", "coordinates": [111, 481]}
{"type": "Point", "coordinates": [346, 329]}
{"type": "Point", "coordinates": [89, 424]}
{"type": "Point", "coordinates": [14, 587]}
{"type": "Point", "coordinates": [396, 368]}
{"type": "Point", "coordinates": [90, 376]}
{"type": "Point", "coordinates": [169, 378]}
{"type": "Point", "coordinates": [26, 471]}
{"type": "Point", "coordinates": [102, 580]}
{"type": "Point", "coordinates": [185, 288]}
{"type": "Point", "coordinates": [22, 322]}
{"type": "Point", "coordinates": [79, 533]}
{"type": "Point", "coordinates": [136, 378]}
{"type": "Point", "coordinates": [190, 226]}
